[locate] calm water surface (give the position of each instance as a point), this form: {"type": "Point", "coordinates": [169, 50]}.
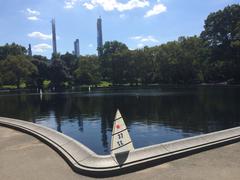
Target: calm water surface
{"type": "Point", "coordinates": [152, 115]}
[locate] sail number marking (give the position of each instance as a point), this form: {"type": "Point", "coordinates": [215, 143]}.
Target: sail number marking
{"type": "Point", "coordinates": [120, 136]}
{"type": "Point", "coordinates": [120, 143]}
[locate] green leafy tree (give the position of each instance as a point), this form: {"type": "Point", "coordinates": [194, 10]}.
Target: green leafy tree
{"type": "Point", "coordinates": [222, 33]}
{"type": "Point", "coordinates": [17, 69]}
{"type": "Point", "coordinates": [167, 57]}
{"type": "Point", "coordinates": [11, 49]}
{"type": "Point", "coordinates": [42, 64]}
{"type": "Point", "coordinates": [119, 68]}
{"type": "Point", "coordinates": [88, 71]}
{"type": "Point", "coordinates": [193, 54]}
{"type": "Point", "coordinates": [179, 61]}
{"type": "Point", "coordinates": [222, 27]}
{"type": "Point", "coordinates": [41, 58]}
{"type": "Point", "coordinates": [58, 74]}
{"type": "Point", "coordinates": [110, 48]}
{"type": "Point", "coordinates": [71, 62]}
{"type": "Point", "coordinates": [131, 74]}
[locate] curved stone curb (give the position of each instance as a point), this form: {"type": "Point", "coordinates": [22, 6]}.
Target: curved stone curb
{"type": "Point", "coordinates": [86, 162]}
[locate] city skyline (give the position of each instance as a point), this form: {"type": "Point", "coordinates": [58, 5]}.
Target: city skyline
{"type": "Point", "coordinates": [146, 22]}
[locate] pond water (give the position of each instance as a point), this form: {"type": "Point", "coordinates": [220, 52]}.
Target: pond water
{"type": "Point", "coordinates": [152, 115]}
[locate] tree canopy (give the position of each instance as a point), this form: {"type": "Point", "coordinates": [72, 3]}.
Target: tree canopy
{"type": "Point", "coordinates": [222, 35]}
{"type": "Point", "coordinates": [16, 69]}
{"type": "Point", "coordinates": [88, 71]}
{"type": "Point", "coordinates": [11, 49]}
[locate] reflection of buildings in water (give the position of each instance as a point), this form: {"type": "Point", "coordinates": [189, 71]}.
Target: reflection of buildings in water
{"type": "Point", "coordinates": [59, 123]}
{"type": "Point", "coordinates": [104, 134]}
{"type": "Point", "coordinates": [59, 127]}
{"type": "Point", "coordinates": [33, 120]}
{"type": "Point", "coordinates": [107, 118]}
{"type": "Point", "coordinates": [80, 123]}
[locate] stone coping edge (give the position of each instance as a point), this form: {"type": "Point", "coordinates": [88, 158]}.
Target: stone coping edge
{"type": "Point", "coordinates": [84, 161]}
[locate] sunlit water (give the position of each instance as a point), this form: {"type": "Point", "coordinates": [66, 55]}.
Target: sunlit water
{"type": "Point", "coordinates": [152, 115]}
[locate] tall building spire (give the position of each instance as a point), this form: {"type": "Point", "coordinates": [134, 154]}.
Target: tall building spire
{"type": "Point", "coordinates": [29, 50]}
{"type": "Point", "coordinates": [54, 41]}
{"type": "Point", "coordinates": [76, 48]}
{"type": "Point", "coordinates": [99, 37]}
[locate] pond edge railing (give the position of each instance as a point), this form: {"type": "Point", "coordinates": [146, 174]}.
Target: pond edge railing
{"type": "Point", "coordinates": [84, 161]}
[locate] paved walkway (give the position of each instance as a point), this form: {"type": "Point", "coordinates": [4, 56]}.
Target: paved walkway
{"type": "Point", "coordinates": [23, 157]}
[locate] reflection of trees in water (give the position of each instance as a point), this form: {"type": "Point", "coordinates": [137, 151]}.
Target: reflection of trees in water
{"type": "Point", "coordinates": [202, 110]}
{"type": "Point", "coordinates": [19, 106]}
{"type": "Point", "coordinates": [219, 107]}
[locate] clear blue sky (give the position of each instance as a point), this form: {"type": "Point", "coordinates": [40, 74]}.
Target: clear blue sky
{"type": "Point", "coordinates": [134, 22]}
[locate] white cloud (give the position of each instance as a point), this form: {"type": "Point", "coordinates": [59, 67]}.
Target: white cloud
{"type": "Point", "coordinates": [157, 9]}
{"type": "Point", "coordinates": [136, 37]}
{"type": "Point", "coordinates": [143, 39]}
{"type": "Point", "coordinates": [40, 35]}
{"type": "Point", "coordinates": [33, 18]}
{"type": "Point", "coordinates": [110, 5]}
{"type": "Point", "coordinates": [40, 48]}
{"type": "Point", "coordinates": [90, 45]}
{"type": "Point", "coordinates": [69, 4]}
{"type": "Point", "coordinates": [32, 12]}
{"type": "Point", "coordinates": [149, 39]}
{"type": "Point", "coordinates": [89, 6]}
{"type": "Point", "coordinates": [140, 45]}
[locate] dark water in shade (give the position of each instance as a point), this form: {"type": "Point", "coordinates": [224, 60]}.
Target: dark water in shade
{"type": "Point", "coordinates": [152, 115]}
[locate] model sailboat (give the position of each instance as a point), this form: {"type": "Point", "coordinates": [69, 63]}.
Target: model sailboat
{"type": "Point", "coordinates": [121, 143]}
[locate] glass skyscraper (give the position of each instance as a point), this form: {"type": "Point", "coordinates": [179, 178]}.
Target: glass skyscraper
{"type": "Point", "coordinates": [54, 41]}
{"type": "Point", "coordinates": [99, 37]}
{"type": "Point", "coordinates": [76, 48]}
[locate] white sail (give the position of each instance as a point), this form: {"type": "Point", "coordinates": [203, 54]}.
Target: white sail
{"type": "Point", "coordinates": [121, 141]}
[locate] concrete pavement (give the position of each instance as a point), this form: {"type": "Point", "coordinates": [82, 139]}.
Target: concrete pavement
{"type": "Point", "coordinates": [24, 157]}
